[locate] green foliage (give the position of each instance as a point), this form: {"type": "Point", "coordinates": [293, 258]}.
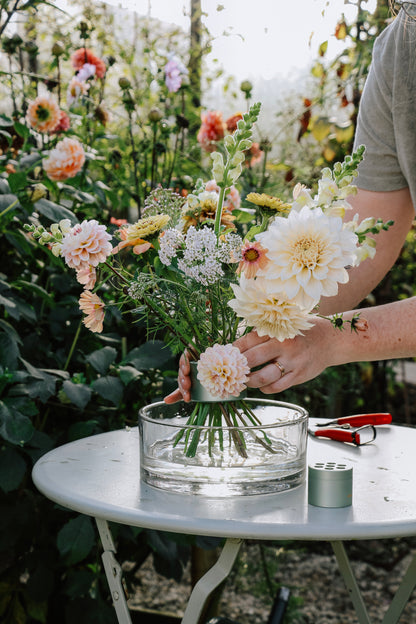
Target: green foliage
{"type": "Point", "coordinates": [58, 381]}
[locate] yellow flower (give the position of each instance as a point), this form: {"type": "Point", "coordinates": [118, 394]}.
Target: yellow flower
{"type": "Point", "coordinates": [135, 235]}
{"type": "Point", "coordinates": [268, 201]}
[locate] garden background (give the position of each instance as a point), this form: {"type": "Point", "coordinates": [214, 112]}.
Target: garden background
{"type": "Point", "coordinates": [140, 128]}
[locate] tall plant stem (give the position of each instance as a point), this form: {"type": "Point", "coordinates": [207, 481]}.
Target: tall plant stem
{"type": "Point", "coordinates": [135, 164]}
{"type": "Point", "coordinates": [73, 345]}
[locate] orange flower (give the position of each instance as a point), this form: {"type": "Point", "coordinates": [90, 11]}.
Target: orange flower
{"type": "Point", "coordinates": [65, 160]}
{"type": "Point", "coordinates": [93, 307]}
{"type": "Point", "coordinates": [43, 114]}
{"type": "Point", "coordinates": [119, 222]}
{"type": "Point", "coordinates": [211, 130]}
{"type": "Point", "coordinates": [231, 122]}
{"type": "Point", "coordinates": [128, 239]}
{"type": "Point", "coordinates": [85, 55]}
{"type": "Point", "coordinates": [254, 258]}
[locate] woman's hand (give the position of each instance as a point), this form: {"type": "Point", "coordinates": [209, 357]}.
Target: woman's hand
{"type": "Point", "coordinates": [183, 392]}
{"type": "Point", "coordinates": [288, 363]}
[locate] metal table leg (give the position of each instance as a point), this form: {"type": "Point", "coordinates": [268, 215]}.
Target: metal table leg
{"type": "Point", "coordinates": [401, 596]}
{"type": "Point", "coordinates": [351, 583]}
{"type": "Point", "coordinates": [113, 573]}
{"type": "Point", "coordinates": [214, 577]}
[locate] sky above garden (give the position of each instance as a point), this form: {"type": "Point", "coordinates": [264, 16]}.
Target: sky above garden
{"type": "Point", "coordinates": [265, 38]}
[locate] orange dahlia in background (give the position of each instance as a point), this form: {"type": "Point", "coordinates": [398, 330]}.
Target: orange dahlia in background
{"type": "Point", "coordinates": [85, 55]}
{"type": "Point", "coordinates": [43, 113]}
{"type": "Point", "coordinates": [65, 160]}
{"type": "Point", "coordinates": [212, 129]}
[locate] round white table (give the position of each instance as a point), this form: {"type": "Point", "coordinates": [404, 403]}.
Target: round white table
{"type": "Point", "coordinates": [100, 476]}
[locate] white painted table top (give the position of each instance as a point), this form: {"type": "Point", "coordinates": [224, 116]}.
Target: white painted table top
{"type": "Point", "coordinates": [100, 476]}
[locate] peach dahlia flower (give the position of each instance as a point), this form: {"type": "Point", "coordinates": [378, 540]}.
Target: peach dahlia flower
{"type": "Point", "coordinates": [93, 308]}
{"type": "Point", "coordinates": [43, 113]}
{"type": "Point", "coordinates": [86, 244]}
{"type": "Point", "coordinates": [65, 160]}
{"type": "Point", "coordinates": [223, 370]}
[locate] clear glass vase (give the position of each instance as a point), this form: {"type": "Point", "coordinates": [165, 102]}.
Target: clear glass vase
{"type": "Point", "coordinates": [273, 458]}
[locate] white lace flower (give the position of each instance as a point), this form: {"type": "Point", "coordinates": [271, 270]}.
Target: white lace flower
{"type": "Point", "coordinates": [270, 314]}
{"type": "Point", "coordinates": [223, 370]}
{"type": "Point", "coordinates": [308, 252]}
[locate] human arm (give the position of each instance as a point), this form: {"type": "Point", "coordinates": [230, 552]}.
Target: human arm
{"type": "Point", "coordinates": [386, 205]}
{"type": "Point", "coordinates": [391, 334]}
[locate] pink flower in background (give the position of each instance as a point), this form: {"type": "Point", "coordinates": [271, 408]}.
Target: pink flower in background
{"type": "Point", "coordinates": [65, 160]}
{"type": "Point", "coordinates": [86, 244]}
{"type": "Point", "coordinates": [223, 370]}
{"type": "Point", "coordinates": [93, 308]}
{"type": "Point", "coordinates": [87, 275]}
{"type": "Point", "coordinates": [232, 200]}
{"type": "Point", "coordinates": [212, 186]}
{"type": "Point", "coordinates": [43, 114]}
{"type": "Point", "coordinates": [84, 55]}
{"type": "Point", "coordinates": [211, 130]}
{"type": "Point", "coordinates": [173, 75]}
{"type": "Point", "coordinates": [254, 258]}
{"type": "Point", "coordinates": [63, 125]}
{"type": "Point", "coordinates": [75, 90]}
{"type": "Point", "coordinates": [254, 155]}
{"type": "Point", "coordinates": [88, 70]}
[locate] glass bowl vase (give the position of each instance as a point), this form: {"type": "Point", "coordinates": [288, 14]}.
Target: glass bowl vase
{"type": "Point", "coordinates": [274, 457]}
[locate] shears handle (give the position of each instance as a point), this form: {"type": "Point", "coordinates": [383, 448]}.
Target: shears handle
{"type": "Point", "coordinates": [341, 435]}
{"type": "Point", "coordinates": [366, 419]}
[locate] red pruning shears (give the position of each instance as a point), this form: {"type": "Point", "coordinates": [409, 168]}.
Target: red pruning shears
{"type": "Point", "coordinates": [358, 429]}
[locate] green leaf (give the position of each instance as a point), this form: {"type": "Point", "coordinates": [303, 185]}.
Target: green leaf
{"type": "Point", "coordinates": [17, 181]}
{"type": "Point", "coordinates": [8, 200]}
{"type": "Point", "coordinates": [9, 351]}
{"type": "Point", "coordinates": [14, 426]}
{"type": "Point", "coordinates": [101, 359]}
{"type": "Point", "coordinates": [109, 388]}
{"type": "Point", "coordinates": [54, 212]}
{"type": "Point", "coordinates": [21, 129]}
{"type": "Point", "coordinates": [44, 386]}
{"type": "Point", "coordinates": [36, 289]}
{"type": "Point", "coordinates": [76, 539]}
{"type": "Point", "coordinates": [152, 354]}
{"type": "Point", "coordinates": [128, 374]}
{"type": "Point", "coordinates": [79, 394]}
{"type": "Point", "coordinates": [12, 469]}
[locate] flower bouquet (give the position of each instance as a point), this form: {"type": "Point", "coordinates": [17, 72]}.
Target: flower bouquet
{"type": "Point", "coordinates": [201, 282]}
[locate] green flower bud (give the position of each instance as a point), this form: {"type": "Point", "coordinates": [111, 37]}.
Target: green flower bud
{"type": "Point", "coordinates": [58, 48]}
{"type": "Point", "coordinates": [124, 83]}
{"type": "Point", "coordinates": [155, 115]}
{"type": "Point", "coordinates": [246, 86]}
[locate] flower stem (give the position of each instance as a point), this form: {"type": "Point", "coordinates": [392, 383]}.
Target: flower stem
{"type": "Point", "coordinates": [73, 345]}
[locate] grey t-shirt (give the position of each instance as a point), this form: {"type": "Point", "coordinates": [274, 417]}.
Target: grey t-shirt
{"type": "Point", "coordinates": [387, 116]}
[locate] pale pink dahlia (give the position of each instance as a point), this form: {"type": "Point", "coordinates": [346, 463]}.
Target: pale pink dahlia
{"type": "Point", "coordinates": [87, 275]}
{"type": "Point", "coordinates": [93, 308]}
{"type": "Point", "coordinates": [86, 244]}
{"type": "Point", "coordinates": [223, 370]}
{"type": "Point", "coordinates": [65, 160]}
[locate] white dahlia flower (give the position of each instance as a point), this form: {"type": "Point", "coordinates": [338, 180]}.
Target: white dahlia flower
{"type": "Point", "coordinates": [309, 251]}
{"type": "Point", "coordinates": [271, 314]}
